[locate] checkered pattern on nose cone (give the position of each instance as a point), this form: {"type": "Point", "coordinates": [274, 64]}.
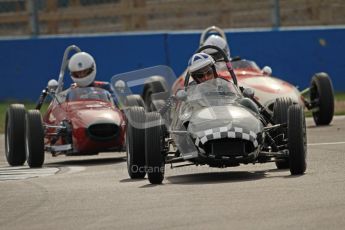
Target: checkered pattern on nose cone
{"type": "Point", "coordinates": [225, 132]}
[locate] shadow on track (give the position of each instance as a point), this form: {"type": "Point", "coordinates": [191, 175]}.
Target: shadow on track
{"type": "Point", "coordinates": [87, 162]}
{"type": "Point", "coordinates": [217, 177]}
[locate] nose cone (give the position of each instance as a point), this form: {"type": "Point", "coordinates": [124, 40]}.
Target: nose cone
{"type": "Point", "coordinates": [98, 124]}
{"type": "Point", "coordinates": [87, 116]}
{"type": "Point", "coordinates": [224, 116]}
{"type": "Point", "coordinates": [103, 131]}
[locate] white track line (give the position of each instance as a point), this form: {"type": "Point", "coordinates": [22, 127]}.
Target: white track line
{"type": "Point", "coordinates": [329, 143]}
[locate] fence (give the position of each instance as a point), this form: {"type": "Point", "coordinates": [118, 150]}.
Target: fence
{"type": "Point", "coordinates": [41, 17]}
{"type": "Point", "coordinates": [27, 64]}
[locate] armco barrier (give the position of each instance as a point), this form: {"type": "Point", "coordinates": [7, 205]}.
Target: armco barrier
{"type": "Point", "coordinates": [28, 64]}
{"type": "Point", "coordinates": [294, 55]}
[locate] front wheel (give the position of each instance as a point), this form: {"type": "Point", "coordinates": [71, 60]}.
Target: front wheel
{"type": "Point", "coordinates": [280, 116]}
{"type": "Point", "coordinates": [14, 135]}
{"type": "Point", "coordinates": [154, 157]}
{"type": "Point", "coordinates": [34, 139]}
{"type": "Point", "coordinates": [135, 142]}
{"type": "Point", "coordinates": [134, 100]}
{"type": "Point", "coordinates": [297, 144]}
{"type": "Point", "coordinates": [322, 99]}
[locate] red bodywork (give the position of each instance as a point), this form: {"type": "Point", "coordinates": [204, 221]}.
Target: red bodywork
{"type": "Point", "coordinates": [81, 115]}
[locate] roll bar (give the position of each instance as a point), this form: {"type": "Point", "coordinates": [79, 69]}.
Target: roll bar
{"type": "Point", "coordinates": [64, 65]}
{"type": "Point", "coordinates": [211, 29]}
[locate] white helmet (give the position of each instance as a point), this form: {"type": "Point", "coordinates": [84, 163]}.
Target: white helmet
{"type": "Point", "coordinates": [83, 69]}
{"type": "Point", "coordinates": [218, 41]}
{"type": "Point", "coordinates": [200, 65]}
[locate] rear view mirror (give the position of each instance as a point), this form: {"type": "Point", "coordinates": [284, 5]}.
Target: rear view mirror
{"type": "Point", "coordinates": [181, 95]}
{"type": "Point", "coordinates": [248, 92]}
{"type": "Point", "coordinates": [267, 71]}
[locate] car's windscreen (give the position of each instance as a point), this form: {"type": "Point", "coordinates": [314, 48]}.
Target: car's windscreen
{"type": "Point", "coordinates": [213, 92]}
{"type": "Point", "coordinates": [245, 64]}
{"type": "Point", "coordinates": [88, 93]}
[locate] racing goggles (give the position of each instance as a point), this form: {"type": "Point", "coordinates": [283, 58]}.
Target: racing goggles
{"type": "Point", "coordinates": [202, 72]}
{"type": "Point", "coordinates": [82, 73]}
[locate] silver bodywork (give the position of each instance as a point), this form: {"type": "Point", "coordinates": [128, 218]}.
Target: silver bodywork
{"type": "Point", "coordinates": [213, 111]}
{"type": "Point", "coordinates": [210, 111]}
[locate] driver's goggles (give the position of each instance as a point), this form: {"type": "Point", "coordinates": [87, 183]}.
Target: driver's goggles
{"type": "Point", "coordinates": [203, 72]}
{"type": "Point", "coordinates": [82, 73]}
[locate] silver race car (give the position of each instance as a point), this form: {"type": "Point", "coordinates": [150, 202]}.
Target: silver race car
{"type": "Point", "coordinates": [214, 123]}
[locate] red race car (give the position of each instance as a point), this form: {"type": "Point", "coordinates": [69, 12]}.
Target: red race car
{"type": "Point", "coordinates": [319, 97]}
{"type": "Point", "coordinates": [78, 121]}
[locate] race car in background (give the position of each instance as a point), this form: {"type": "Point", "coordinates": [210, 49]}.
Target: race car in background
{"type": "Point", "coordinates": [78, 121]}
{"type": "Point", "coordinates": [318, 98]}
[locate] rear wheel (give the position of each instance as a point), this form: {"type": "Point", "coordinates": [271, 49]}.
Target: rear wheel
{"type": "Point", "coordinates": [154, 85]}
{"type": "Point", "coordinates": [135, 142]}
{"type": "Point", "coordinates": [280, 115]}
{"type": "Point", "coordinates": [34, 139]}
{"type": "Point", "coordinates": [134, 100]}
{"type": "Point", "coordinates": [14, 135]}
{"type": "Point", "coordinates": [297, 140]}
{"type": "Point", "coordinates": [154, 157]}
{"type": "Point", "coordinates": [322, 99]}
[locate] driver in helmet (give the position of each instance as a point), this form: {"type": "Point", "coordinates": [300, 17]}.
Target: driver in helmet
{"type": "Point", "coordinates": [201, 68]}
{"type": "Point", "coordinates": [216, 40]}
{"type": "Point", "coordinates": [82, 67]}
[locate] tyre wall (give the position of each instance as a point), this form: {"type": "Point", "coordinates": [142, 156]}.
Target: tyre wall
{"type": "Point", "coordinates": [294, 55]}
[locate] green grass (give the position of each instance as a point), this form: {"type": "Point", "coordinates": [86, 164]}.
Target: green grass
{"type": "Point", "coordinates": [339, 96]}
{"type": "Point", "coordinates": [339, 108]}
{"type": "Point", "coordinates": [3, 108]}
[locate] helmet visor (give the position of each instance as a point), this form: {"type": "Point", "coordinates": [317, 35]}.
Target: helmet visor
{"type": "Point", "coordinates": [202, 72]}
{"type": "Point", "coordinates": [82, 73]}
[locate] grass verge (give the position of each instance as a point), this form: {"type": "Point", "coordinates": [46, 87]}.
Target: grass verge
{"type": "Point", "coordinates": [339, 108]}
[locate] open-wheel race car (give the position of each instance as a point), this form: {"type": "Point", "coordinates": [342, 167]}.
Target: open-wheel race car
{"type": "Point", "coordinates": [78, 121]}
{"type": "Point", "coordinates": [213, 123]}
{"type": "Point", "coordinates": [318, 98]}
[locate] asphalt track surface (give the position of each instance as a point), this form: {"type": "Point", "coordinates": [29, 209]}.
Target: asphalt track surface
{"type": "Point", "coordinates": [96, 193]}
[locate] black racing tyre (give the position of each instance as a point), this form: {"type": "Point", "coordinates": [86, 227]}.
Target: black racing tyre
{"type": "Point", "coordinates": [322, 98]}
{"type": "Point", "coordinates": [297, 144]}
{"type": "Point", "coordinates": [155, 84]}
{"type": "Point", "coordinates": [14, 135]}
{"type": "Point", "coordinates": [34, 139]}
{"type": "Point", "coordinates": [154, 157]}
{"type": "Point", "coordinates": [134, 100]}
{"type": "Point", "coordinates": [135, 142]}
{"type": "Point", "coordinates": [280, 115]}
{"type": "Point", "coordinates": [158, 105]}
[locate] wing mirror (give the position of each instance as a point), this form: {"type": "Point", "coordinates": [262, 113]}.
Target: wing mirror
{"type": "Point", "coordinates": [248, 92]}
{"type": "Point", "coordinates": [181, 95]}
{"type": "Point", "coordinates": [52, 85]}
{"type": "Point", "coordinates": [267, 71]}
{"type": "Point", "coordinates": [120, 86]}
